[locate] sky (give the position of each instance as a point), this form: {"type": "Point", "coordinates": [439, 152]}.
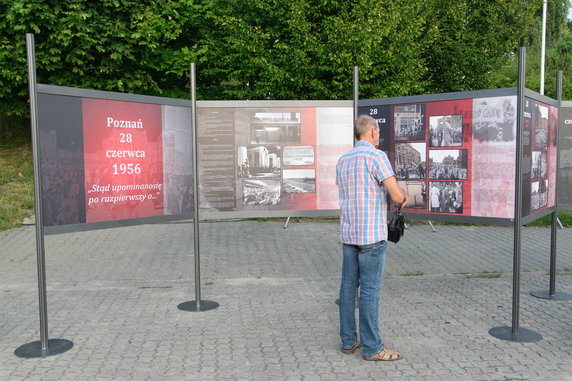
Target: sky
{"type": "Point", "coordinates": [570, 13]}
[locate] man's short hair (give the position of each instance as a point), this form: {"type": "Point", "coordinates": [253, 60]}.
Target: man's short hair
{"type": "Point", "coordinates": [363, 124]}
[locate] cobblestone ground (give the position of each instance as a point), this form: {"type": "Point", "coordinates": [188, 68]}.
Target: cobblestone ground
{"type": "Point", "coordinates": [115, 292]}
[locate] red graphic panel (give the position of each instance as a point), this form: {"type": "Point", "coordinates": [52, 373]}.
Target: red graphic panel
{"type": "Point", "coordinates": [552, 155]}
{"type": "Point", "coordinates": [459, 141]}
{"type": "Point", "coordinates": [305, 171]}
{"type": "Point", "coordinates": [123, 160]}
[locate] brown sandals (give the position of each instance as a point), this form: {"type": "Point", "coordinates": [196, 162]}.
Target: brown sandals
{"type": "Point", "coordinates": [385, 354]}
{"type": "Point", "coordinates": [352, 349]}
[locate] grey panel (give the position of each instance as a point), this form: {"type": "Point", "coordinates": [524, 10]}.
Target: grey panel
{"type": "Point", "coordinates": [439, 97]}
{"type": "Point", "coordinates": [49, 230]}
{"type": "Point", "coordinates": [291, 103]}
{"type": "Point", "coordinates": [87, 93]}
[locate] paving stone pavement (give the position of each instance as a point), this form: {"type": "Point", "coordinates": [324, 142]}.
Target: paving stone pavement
{"type": "Point", "coordinates": [115, 292]}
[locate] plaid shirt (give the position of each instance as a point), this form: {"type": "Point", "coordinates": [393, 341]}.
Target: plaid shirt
{"type": "Point", "coordinates": [359, 176]}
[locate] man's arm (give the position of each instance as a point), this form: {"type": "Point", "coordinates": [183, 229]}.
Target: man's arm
{"type": "Point", "coordinates": [396, 194]}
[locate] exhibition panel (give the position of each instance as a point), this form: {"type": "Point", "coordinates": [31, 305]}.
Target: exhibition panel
{"type": "Point", "coordinates": [110, 158]}
{"type": "Point", "coordinates": [565, 161]}
{"type": "Point", "coordinates": [455, 153]}
{"type": "Point", "coordinates": [271, 158]}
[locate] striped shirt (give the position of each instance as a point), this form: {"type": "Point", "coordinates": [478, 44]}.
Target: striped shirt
{"type": "Point", "coordinates": [363, 206]}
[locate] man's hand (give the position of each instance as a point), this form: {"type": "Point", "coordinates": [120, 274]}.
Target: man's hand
{"type": "Point", "coordinates": [402, 205]}
{"type": "Point", "coordinates": [397, 195]}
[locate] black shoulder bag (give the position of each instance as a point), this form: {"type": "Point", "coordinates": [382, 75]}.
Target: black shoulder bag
{"type": "Point", "coordinates": [396, 227]}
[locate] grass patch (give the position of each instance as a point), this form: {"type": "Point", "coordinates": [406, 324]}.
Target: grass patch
{"type": "Point", "coordinates": [325, 219]}
{"type": "Point", "coordinates": [147, 287]}
{"type": "Point", "coordinates": [487, 275]}
{"type": "Point", "coordinates": [16, 183]}
{"type": "Point", "coordinates": [565, 218]}
{"type": "Point", "coordinates": [413, 273]}
{"type": "Point", "coordinates": [566, 271]}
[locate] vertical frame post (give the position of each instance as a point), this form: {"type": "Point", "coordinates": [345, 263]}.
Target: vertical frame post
{"type": "Point", "coordinates": [44, 347]}
{"type": "Point", "coordinates": [356, 91]}
{"type": "Point", "coordinates": [515, 333]}
{"type": "Point", "coordinates": [198, 305]}
{"type": "Point", "coordinates": [518, 195]}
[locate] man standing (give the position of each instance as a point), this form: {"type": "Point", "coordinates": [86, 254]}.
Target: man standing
{"type": "Point", "coordinates": [363, 176]}
{"type": "Point", "coordinates": [435, 196]}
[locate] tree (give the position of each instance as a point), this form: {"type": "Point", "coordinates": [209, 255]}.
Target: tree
{"type": "Point", "coordinates": [260, 49]}
{"type": "Point", "coordinates": [558, 56]}
{"type": "Point", "coordinates": [466, 40]}
{"type": "Point", "coordinates": [127, 46]}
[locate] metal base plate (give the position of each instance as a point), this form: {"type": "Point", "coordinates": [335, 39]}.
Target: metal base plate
{"type": "Point", "coordinates": [524, 336]}
{"type": "Point", "coordinates": [34, 349]}
{"type": "Point", "coordinates": [556, 296]}
{"type": "Point", "coordinates": [204, 305]}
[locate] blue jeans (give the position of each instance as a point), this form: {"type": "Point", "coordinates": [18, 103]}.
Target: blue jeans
{"type": "Point", "coordinates": [363, 266]}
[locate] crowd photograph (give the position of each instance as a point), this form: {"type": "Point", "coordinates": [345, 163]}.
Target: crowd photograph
{"type": "Point", "coordinates": [448, 164]}
{"type": "Point", "coordinates": [494, 120]}
{"type": "Point", "coordinates": [539, 159]}
{"type": "Point", "coordinates": [260, 192]}
{"type": "Point", "coordinates": [538, 194]}
{"type": "Point", "coordinates": [540, 127]}
{"type": "Point", "coordinates": [446, 131]}
{"type": "Point", "coordinates": [409, 122]}
{"type": "Point", "coordinates": [446, 196]}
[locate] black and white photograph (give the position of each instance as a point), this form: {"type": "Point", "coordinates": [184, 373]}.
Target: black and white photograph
{"type": "Point", "coordinates": [275, 127]}
{"type": "Point", "coordinates": [299, 180]}
{"type": "Point", "coordinates": [298, 155]}
{"type": "Point", "coordinates": [539, 159]}
{"type": "Point", "coordinates": [540, 127]}
{"type": "Point", "coordinates": [538, 194]}
{"type": "Point", "coordinates": [410, 160]}
{"type": "Point", "coordinates": [494, 119]}
{"type": "Point", "coordinates": [259, 162]}
{"type": "Point", "coordinates": [409, 122]}
{"type": "Point", "coordinates": [446, 131]}
{"type": "Point", "coordinates": [260, 192]}
{"type": "Point", "coordinates": [417, 191]}
{"type": "Point", "coordinates": [449, 164]}
{"type": "Point", "coordinates": [446, 196]}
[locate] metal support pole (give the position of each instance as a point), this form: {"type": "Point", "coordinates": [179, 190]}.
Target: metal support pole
{"type": "Point", "coordinates": [44, 347]}
{"type": "Point", "coordinates": [356, 92]}
{"type": "Point", "coordinates": [552, 294]}
{"type": "Point", "coordinates": [40, 249]}
{"type": "Point", "coordinates": [543, 47]}
{"type": "Point", "coordinates": [432, 227]}
{"type": "Point", "coordinates": [518, 196]}
{"type": "Point", "coordinates": [356, 101]}
{"type": "Point", "coordinates": [515, 333]}
{"type": "Point", "coordinates": [198, 304]}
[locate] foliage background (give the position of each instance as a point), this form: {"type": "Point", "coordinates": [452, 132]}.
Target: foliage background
{"type": "Point", "coordinates": [276, 49]}
{"type": "Point", "coordinates": [263, 49]}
